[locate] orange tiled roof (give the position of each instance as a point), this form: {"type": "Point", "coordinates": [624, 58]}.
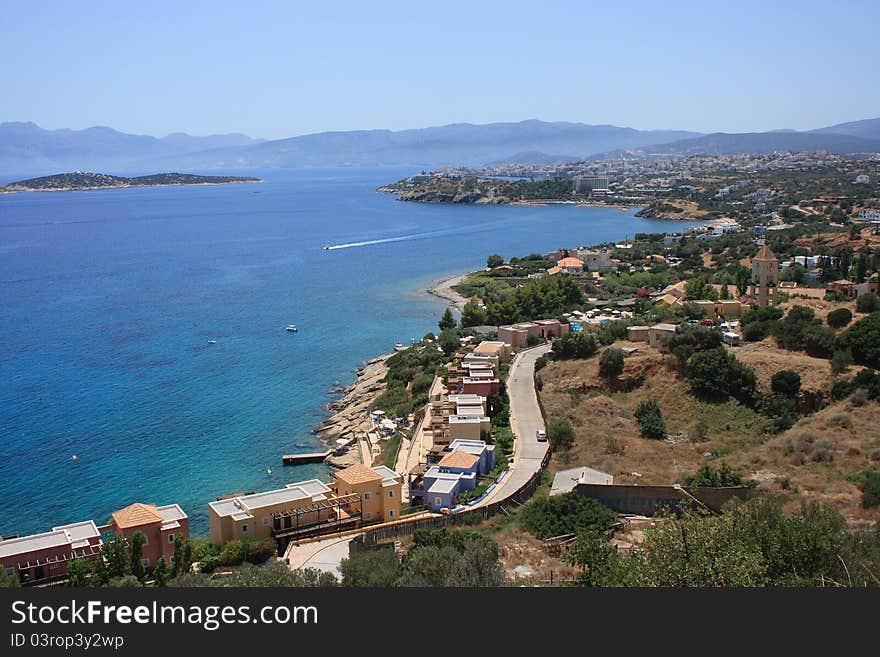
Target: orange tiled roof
{"type": "Point", "coordinates": [458, 459]}
{"type": "Point", "coordinates": [358, 474]}
{"type": "Point", "coordinates": [570, 262]}
{"type": "Point", "coordinates": [553, 270]}
{"type": "Point", "coordinates": [136, 515]}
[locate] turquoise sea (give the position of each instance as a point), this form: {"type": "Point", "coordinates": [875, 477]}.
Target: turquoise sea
{"type": "Point", "coordinates": [109, 299]}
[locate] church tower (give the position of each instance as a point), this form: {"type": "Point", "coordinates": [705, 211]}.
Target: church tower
{"type": "Point", "coordinates": [765, 276]}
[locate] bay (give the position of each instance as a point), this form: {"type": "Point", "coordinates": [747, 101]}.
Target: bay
{"type": "Point", "coordinates": [108, 300]}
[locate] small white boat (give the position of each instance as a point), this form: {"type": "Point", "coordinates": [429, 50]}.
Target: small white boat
{"type": "Point", "coordinates": [212, 342]}
{"type": "Point", "coordinates": [292, 328]}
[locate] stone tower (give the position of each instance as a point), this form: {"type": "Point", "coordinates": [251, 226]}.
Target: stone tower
{"type": "Point", "coordinates": [765, 276]}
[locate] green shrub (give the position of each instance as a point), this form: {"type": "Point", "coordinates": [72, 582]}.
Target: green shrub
{"type": "Point", "coordinates": [868, 303]}
{"type": "Point", "coordinates": [819, 341]}
{"type": "Point", "coordinates": [841, 360]}
{"type": "Point", "coordinates": [862, 339]}
{"type": "Point", "coordinates": [786, 382]}
{"type": "Point", "coordinates": [650, 419]}
{"type": "Point", "coordinates": [839, 318]}
{"type": "Point", "coordinates": [871, 490]}
{"type": "Point", "coordinates": [716, 374]}
{"type": "Point", "coordinates": [560, 433]}
{"type": "Point", "coordinates": [580, 344]}
{"type": "Point", "coordinates": [564, 514]}
{"type": "Point", "coordinates": [709, 477]}
{"type": "Point", "coordinates": [781, 408]}
{"type": "Point", "coordinates": [611, 363]}
{"type": "Point", "coordinates": [757, 331]}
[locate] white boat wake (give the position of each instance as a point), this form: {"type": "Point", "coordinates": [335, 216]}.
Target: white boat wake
{"type": "Point", "coordinates": [458, 230]}
{"type": "Point", "coordinates": [402, 238]}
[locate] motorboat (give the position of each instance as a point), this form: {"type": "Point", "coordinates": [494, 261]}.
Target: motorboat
{"type": "Point", "coordinates": [212, 342]}
{"type": "Point", "coordinates": [292, 328]}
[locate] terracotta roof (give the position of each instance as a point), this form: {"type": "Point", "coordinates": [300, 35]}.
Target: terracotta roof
{"type": "Point", "coordinates": [553, 270]}
{"type": "Point", "coordinates": [136, 515]}
{"type": "Point", "coordinates": [765, 254]}
{"type": "Point", "coordinates": [570, 262]}
{"type": "Point", "coordinates": [358, 474]}
{"type": "Point", "coordinates": [459, 460]}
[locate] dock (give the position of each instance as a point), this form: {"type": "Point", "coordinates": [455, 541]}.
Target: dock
{"type": "Point", "coordinates": [314, 457]}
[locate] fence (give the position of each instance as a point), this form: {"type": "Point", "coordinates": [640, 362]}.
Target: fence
{"type": "Point", "coordinates": [372, 537]}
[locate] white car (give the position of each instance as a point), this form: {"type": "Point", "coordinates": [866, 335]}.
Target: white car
{"type": "Point", "coordinates": [541, 435]}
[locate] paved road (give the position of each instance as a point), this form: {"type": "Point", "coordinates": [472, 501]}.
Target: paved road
{"type": "Point", "coordinates": [525, 420]}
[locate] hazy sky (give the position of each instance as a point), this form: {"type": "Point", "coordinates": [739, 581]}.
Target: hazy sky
{"type": "Point", "coordinates": [277, 69]}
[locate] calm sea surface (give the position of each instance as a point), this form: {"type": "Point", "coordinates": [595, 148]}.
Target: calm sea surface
{"type": "Point", "coordinates": [109, 299]}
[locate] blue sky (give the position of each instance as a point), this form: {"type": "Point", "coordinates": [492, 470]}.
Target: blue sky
{"type": "Point", "coordinates": [277, 69]}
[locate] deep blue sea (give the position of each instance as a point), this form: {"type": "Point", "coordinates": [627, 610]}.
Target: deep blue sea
{"type": "Point", "coordinates": [109, 299]}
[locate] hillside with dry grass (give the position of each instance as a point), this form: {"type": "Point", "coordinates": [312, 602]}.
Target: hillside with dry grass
{"type": "Point", "coordinates": [814, 459]}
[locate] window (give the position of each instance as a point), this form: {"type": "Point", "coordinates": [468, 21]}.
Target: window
{"type": "Point", "coordinates": [391, 493]}
{"type": "Point", "coordinates": [368, 516]}
{"type": "Point", "coordinates": [145, 562]}
{"type": "Point", "coordinates": [368, 496]}
{"type": "Point", "coordinates": [170, 538]}
{"type": "Point", "coordinates": [10, 571]}
{"type": "Point", "coordinates": [265, 521]}
{"type": "Point", "coordinates": [390, 513]}
{"type": "Point", "coordinates": [146, 540]}
{"type": "Point", "coordinates": [438, 501]}
{"type": "Point", "coordinates": [244, 528]}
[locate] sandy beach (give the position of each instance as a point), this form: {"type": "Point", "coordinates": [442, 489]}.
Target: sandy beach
{"type": "Point", "coordinates": [443, 288]}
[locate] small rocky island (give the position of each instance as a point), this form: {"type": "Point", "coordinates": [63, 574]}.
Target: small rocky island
{"type": "Point", "coordinates": [81, 180]}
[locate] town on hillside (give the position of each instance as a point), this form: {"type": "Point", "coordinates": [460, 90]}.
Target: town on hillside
{"type": "Point", "coordinates": [607, 386]}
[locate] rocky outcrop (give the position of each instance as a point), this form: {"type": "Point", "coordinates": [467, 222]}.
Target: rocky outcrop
{"type": "Point", "coordinates": [351, 412]}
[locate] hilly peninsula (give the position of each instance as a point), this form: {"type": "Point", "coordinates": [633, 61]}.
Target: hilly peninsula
{"type": "Point", "coordinates": [81, 180]}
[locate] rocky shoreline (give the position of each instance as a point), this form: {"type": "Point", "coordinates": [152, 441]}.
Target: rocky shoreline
{"type": "Point", "coordinates": [351, 412]}
{"type": "Point", "coordinates": [350, 419]}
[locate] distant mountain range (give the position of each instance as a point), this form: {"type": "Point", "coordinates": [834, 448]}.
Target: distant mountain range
{"type": "Point", "coordinates": [721, 143]}
{"type": "Point", "coordinates": [27, 148]}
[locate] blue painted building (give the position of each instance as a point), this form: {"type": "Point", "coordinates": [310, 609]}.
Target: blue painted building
{"type": "Point", "coordinates": [485, 453]}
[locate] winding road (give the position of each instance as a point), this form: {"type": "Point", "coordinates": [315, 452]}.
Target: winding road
{"type": "Point", "coordinates": [525, 420]}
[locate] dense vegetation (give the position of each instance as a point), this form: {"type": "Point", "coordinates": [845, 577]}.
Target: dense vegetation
{"type": "Point", "coordinates": [410, 373]}
{"type": "Point", "coordinates": [862, 340]}
{"type": "Point", "coordinates": [438, 557]}
{"type": "Point", "coordinates": [546, 517]}
{"type": "Point", "coordinates": [754, 543]}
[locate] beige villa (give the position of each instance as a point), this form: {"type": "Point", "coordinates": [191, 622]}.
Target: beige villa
{"type": "Point", "coordinates": [356, 496]}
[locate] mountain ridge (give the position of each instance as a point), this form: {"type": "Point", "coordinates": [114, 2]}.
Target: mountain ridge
{"type": "Point", "coordinates": [26, 148]}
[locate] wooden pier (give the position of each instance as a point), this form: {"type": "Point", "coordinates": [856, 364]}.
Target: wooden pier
{"type": "Point", "coordinates": [314, 457]}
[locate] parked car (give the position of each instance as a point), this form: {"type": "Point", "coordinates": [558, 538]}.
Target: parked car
{"type": "Point", "coordinates": [541, 435]}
